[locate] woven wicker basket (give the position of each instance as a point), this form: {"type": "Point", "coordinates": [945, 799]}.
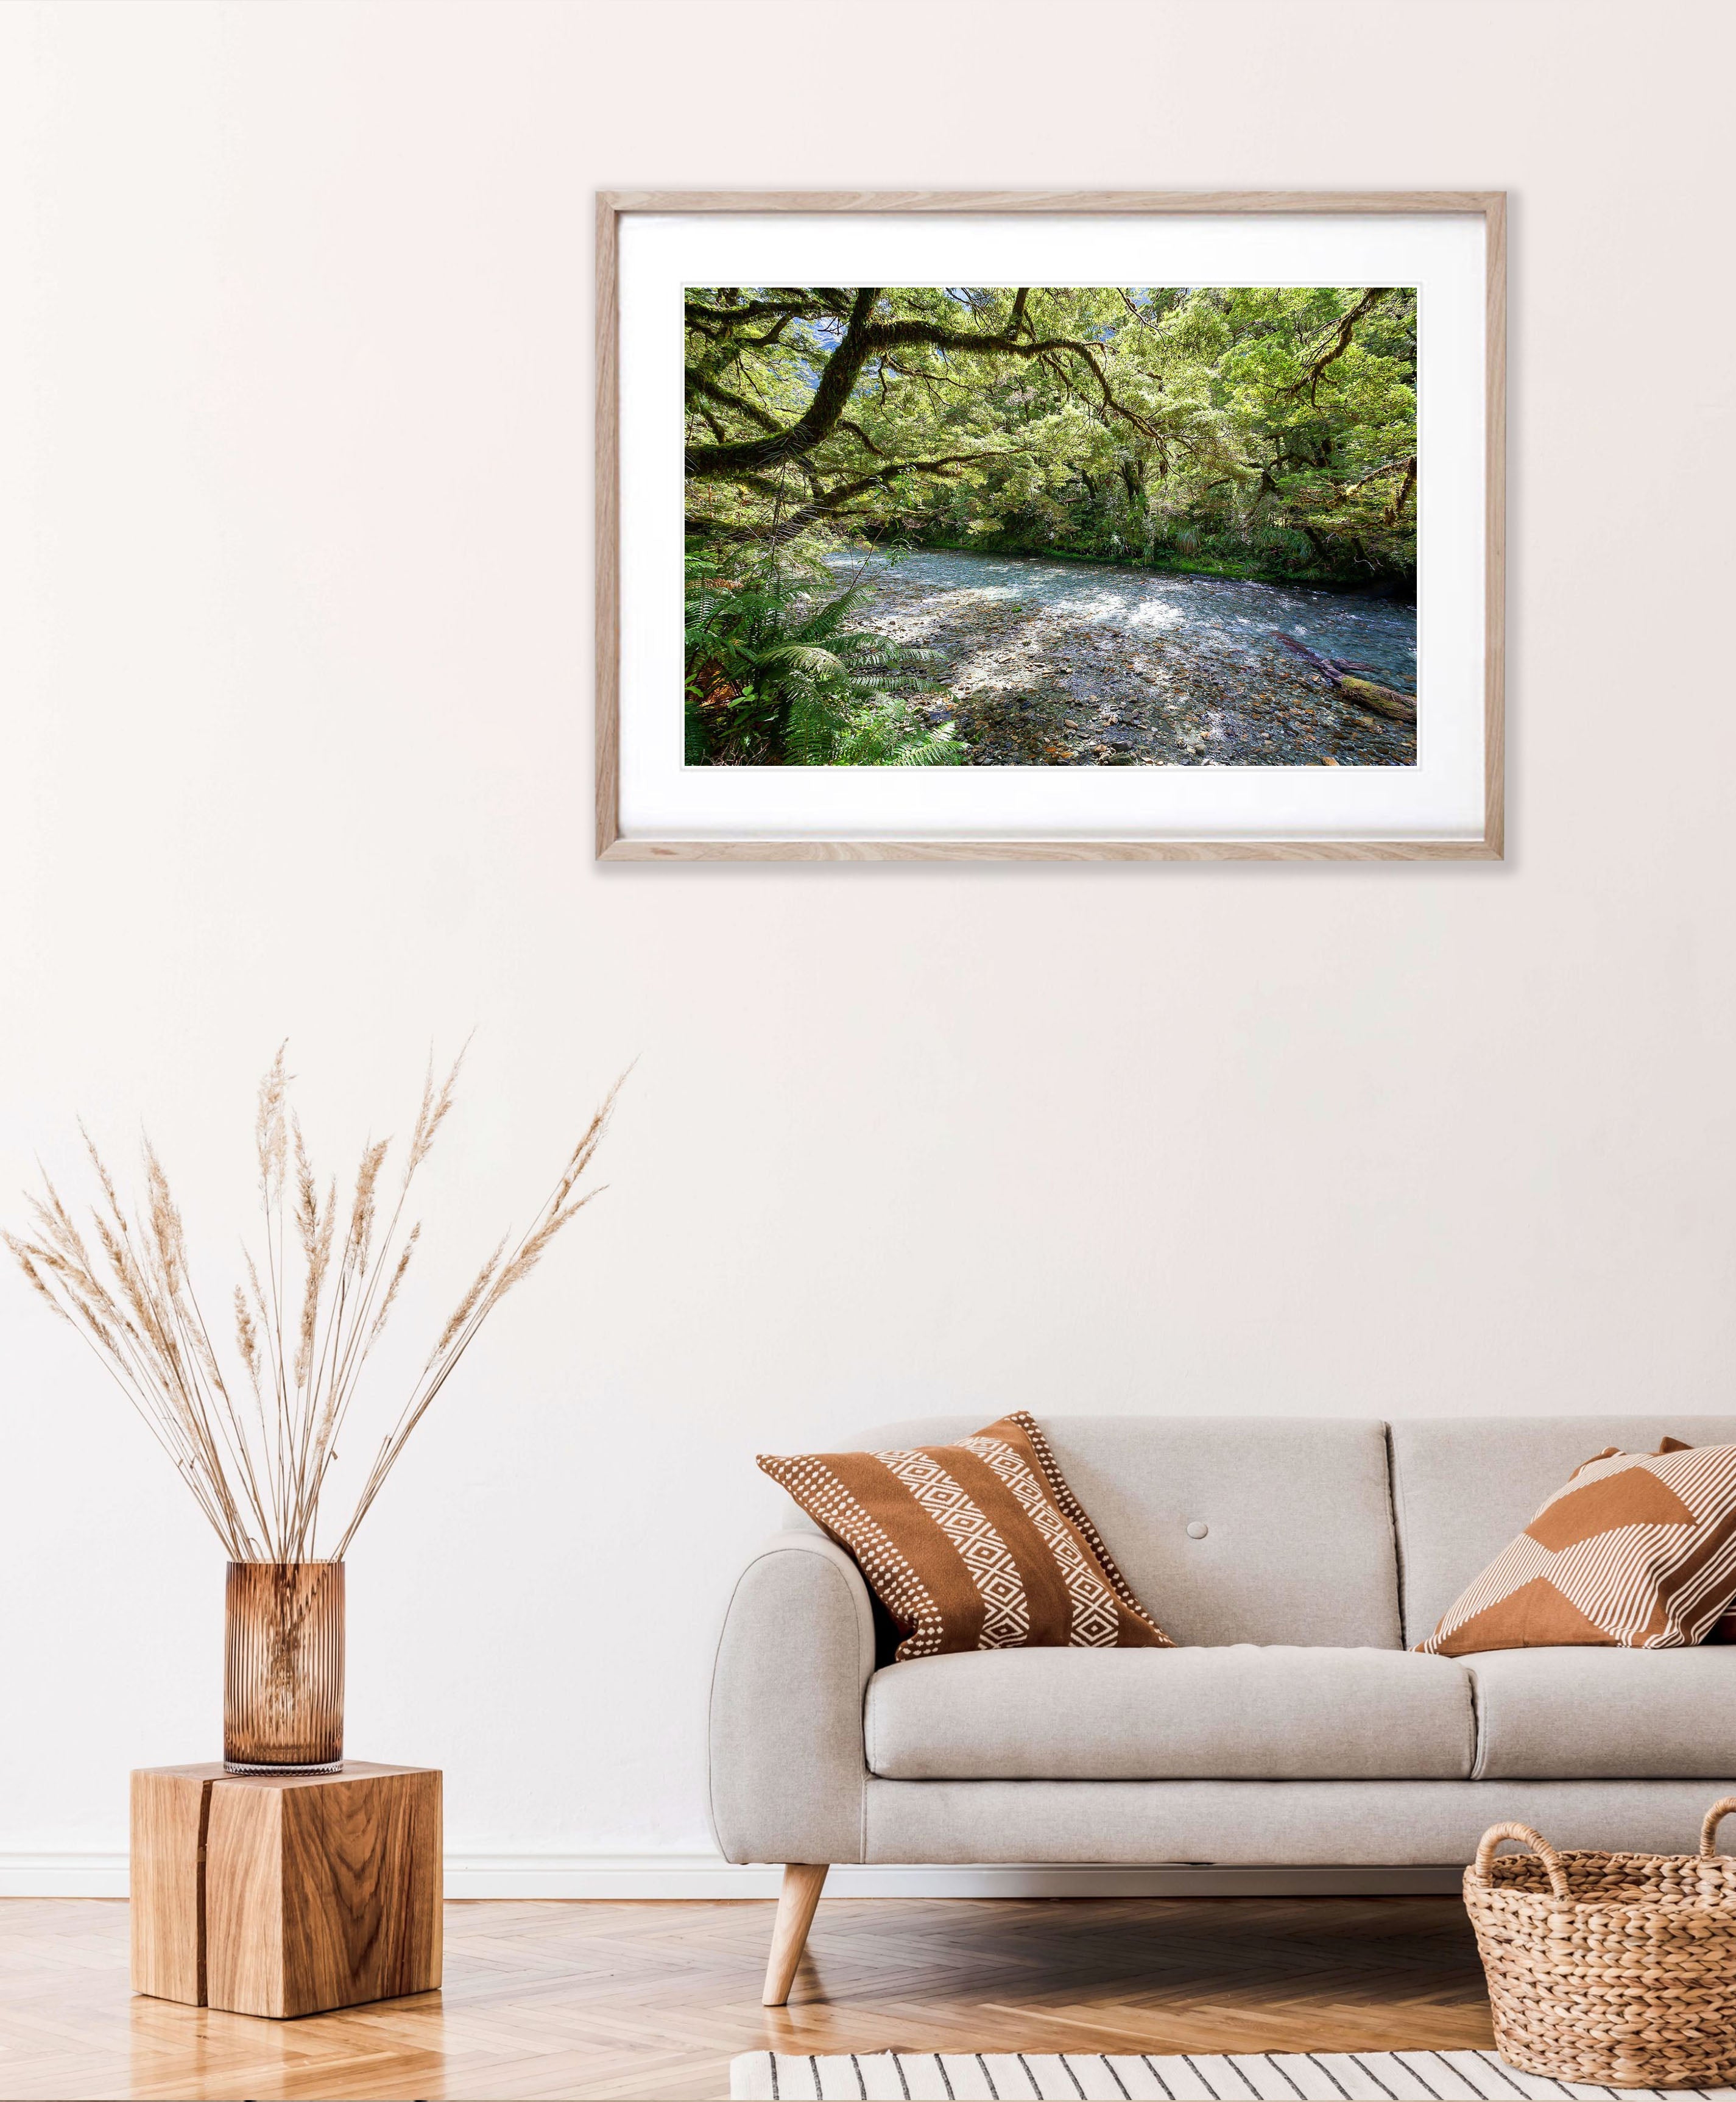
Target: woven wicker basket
{"type": "Point", "coordinates": [1617, 1969]}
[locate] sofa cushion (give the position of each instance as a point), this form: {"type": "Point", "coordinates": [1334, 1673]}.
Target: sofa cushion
{"type": "Point", "coordinates": [1172, 1714]}
{"type": "Point", "coordinates": [1604, 1715]}
{"type": "Point", "coordinates": [1235, 1528]}
{"type": "Point", "coordinates": [1251, 1825]}
{"type": "Point", "coordinates": [1464, 1486]}
{"type": "Point", "coordinates": [975, 1544]}
{"type": "Point", "coordinates": [1636, 1551]}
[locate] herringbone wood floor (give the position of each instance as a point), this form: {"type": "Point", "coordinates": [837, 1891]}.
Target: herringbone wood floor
{"type": "Point", "coordinates": [652, 1999]}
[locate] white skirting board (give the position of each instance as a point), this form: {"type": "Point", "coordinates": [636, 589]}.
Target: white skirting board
{"type": "Point", "coordinates": [704, 1876]}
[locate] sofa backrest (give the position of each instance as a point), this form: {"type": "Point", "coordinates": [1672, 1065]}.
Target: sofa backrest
{"type": "Point", "coordinates": [1464, 1486]}
{"type": "Point", "coordinates": [1298, 1539]}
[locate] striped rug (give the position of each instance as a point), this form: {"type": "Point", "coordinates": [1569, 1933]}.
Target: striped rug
{"type": "Point", "coordinates": [1313, 2076]}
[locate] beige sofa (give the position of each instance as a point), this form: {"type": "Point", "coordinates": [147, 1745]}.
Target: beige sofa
{"type": "Point", "coordinates": [1296, 1560]}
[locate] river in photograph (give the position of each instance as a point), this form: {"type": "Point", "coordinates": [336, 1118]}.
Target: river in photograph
{"type": "Point", "coordinates": [1040, 663]}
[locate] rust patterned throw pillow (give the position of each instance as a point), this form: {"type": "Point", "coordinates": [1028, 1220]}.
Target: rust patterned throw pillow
{"type": "Point", "coordinates": [976, 1545]}
{"type": "Point", "coordinates": [1723, 1630]}
{"type": "Point", "coordinates": [1638, 1551]}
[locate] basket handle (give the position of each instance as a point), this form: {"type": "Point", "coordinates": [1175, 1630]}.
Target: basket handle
{"type": "Point", "coordinates": [1541, 1848]}
{"type": "Point", "coordinates": [1709, 1830]}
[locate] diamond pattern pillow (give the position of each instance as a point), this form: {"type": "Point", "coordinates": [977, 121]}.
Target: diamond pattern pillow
{"type": "Point", "coordinates": [1723, 1630]}
{"type": "Point", "coordinates": [1638, 1551]}
{"type": "Point", "coordinates": [976, 1545]}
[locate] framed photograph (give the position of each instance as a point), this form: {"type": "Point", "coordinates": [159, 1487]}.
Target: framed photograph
{"type": "Point", "coordinates": [1050, 527]}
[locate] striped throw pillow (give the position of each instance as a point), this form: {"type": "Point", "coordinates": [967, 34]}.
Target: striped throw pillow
{"type": "Point", "coordinates": [976, 1545]}
{"type": "Point", "coordinates": [1638, 1551]}
{"type": "Point", "coordinates": [1723, 1630]}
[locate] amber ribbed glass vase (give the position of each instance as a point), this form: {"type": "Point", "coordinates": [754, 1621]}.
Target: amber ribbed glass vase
{"type": "Point", "coordinates": [283, 1668]}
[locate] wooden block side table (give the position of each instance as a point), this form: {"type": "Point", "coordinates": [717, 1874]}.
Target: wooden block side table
{"type": "Point", "coordinates": [285, 1894]}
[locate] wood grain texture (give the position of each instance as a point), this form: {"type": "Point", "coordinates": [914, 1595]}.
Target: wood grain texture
{"type": "Point", "coordinates": [1491, 206]}
{"type": "Point", "coordinates": [1494, 527]}
{"type": "Point", "coordinates": [802, 1884]}
{"type": "Point", "coordinates": [285, 1894]}
{"type": "Point", "coordinates": [1077, 203]}
{"type": "Point", "coordinates": [582, 2000]}
{"type": "Point", "coordinates": [362, 1884]}
{"type": "Point", "coordinates": [323, 1890]}
{"type": "Point", "coordinates": [169, 1807]}
{"type": "Point", "coordinates": [244, 1960]}
{"type": "Point", "coordinates": [625, 849]}
{"type": "Point", "coordinates": [608, 555]}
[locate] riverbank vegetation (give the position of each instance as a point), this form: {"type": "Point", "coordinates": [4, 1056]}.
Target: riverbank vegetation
{"type": "Point", "coordinates": [776, 675]}
{"type": "Point", "coordinates": [1251, 432]}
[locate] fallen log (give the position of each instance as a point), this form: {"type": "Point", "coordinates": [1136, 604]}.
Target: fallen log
{"type": "Point", "coordinates": [1379, 700]}
{"type": "Point", "coordinates": [1365, 693]}
{"type": "Point", "coordinates": [1323, 665]}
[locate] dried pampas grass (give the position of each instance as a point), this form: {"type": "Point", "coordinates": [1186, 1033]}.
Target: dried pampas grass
{"type": "Point", "coordinates": [256, 1450]}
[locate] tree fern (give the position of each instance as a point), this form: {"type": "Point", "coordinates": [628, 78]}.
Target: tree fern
{"type": "Point", "coordinates": [774, 676]}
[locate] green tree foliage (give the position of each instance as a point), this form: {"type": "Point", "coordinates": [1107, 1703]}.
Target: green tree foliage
{"type": "Point", "coordinates": [1263, 431]}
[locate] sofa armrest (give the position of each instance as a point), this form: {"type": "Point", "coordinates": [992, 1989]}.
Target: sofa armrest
{"type": "Point", "coordinates": [788, 1773]}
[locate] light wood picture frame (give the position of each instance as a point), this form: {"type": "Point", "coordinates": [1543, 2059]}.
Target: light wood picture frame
{"type": "Point", "coordinates": [1481, 837]}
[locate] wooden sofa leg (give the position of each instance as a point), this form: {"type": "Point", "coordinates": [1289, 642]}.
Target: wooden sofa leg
{"type": "Point", "coordinates": [802, 1884]}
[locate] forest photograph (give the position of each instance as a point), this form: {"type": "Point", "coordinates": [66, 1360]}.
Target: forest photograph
{"type": "Point", "coordinates": [1050, 525]}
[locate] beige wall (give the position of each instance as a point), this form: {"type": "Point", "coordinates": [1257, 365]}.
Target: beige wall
{"type": "Point", "coordinates": [294, 379]}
